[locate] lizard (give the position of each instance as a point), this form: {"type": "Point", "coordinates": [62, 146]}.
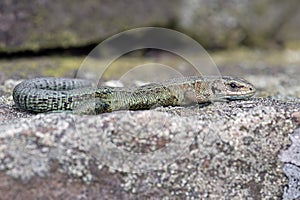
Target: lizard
{"type": "Point", "coordinates": [50, 94]}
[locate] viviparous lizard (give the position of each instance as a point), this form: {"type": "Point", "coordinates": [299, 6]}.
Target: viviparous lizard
{"type": "Point", "coordinates": [51, 94]}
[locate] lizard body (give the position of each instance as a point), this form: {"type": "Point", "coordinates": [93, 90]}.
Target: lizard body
{"type": "Point", "coordinates": [62, 94]}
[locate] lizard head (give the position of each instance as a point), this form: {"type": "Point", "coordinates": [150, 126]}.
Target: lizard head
{"type": "Point", "coordinates": [232, 88]}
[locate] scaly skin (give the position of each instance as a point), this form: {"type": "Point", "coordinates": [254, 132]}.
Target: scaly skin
{"type": "Point", "coordinates": [77, 95]}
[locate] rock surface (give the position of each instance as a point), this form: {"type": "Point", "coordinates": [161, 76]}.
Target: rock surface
{"type": "Point", "coordinates": [292, 167]}
{"type": "Point", "coordinates": [221, 151]}
{"type": "Point", "coordinates": [45, 24]}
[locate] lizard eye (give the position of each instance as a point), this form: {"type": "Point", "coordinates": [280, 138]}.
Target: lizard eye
{"type": "Point", "coordinates": [233, 85]}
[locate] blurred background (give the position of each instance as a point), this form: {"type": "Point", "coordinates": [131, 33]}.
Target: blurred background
{"type": "Point", "coordinates": [42, 25]}
{"type": "Point", "coordinates": [258, 40]}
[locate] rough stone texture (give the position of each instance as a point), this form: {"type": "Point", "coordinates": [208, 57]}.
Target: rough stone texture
{"type": "Point", "coordinates": [291, 168]}
{"type": "Point", "coordinates": [214, 23]}
{"type": "Point", "coordinates": [292, 190]}
{"type": "Point", "coordinates": [226, 151]}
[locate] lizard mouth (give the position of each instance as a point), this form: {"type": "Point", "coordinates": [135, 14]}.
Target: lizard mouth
{"type": "Point", "coordinates": [240, 97]}
{"type": "Point", "coordinates": [232, 97]}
